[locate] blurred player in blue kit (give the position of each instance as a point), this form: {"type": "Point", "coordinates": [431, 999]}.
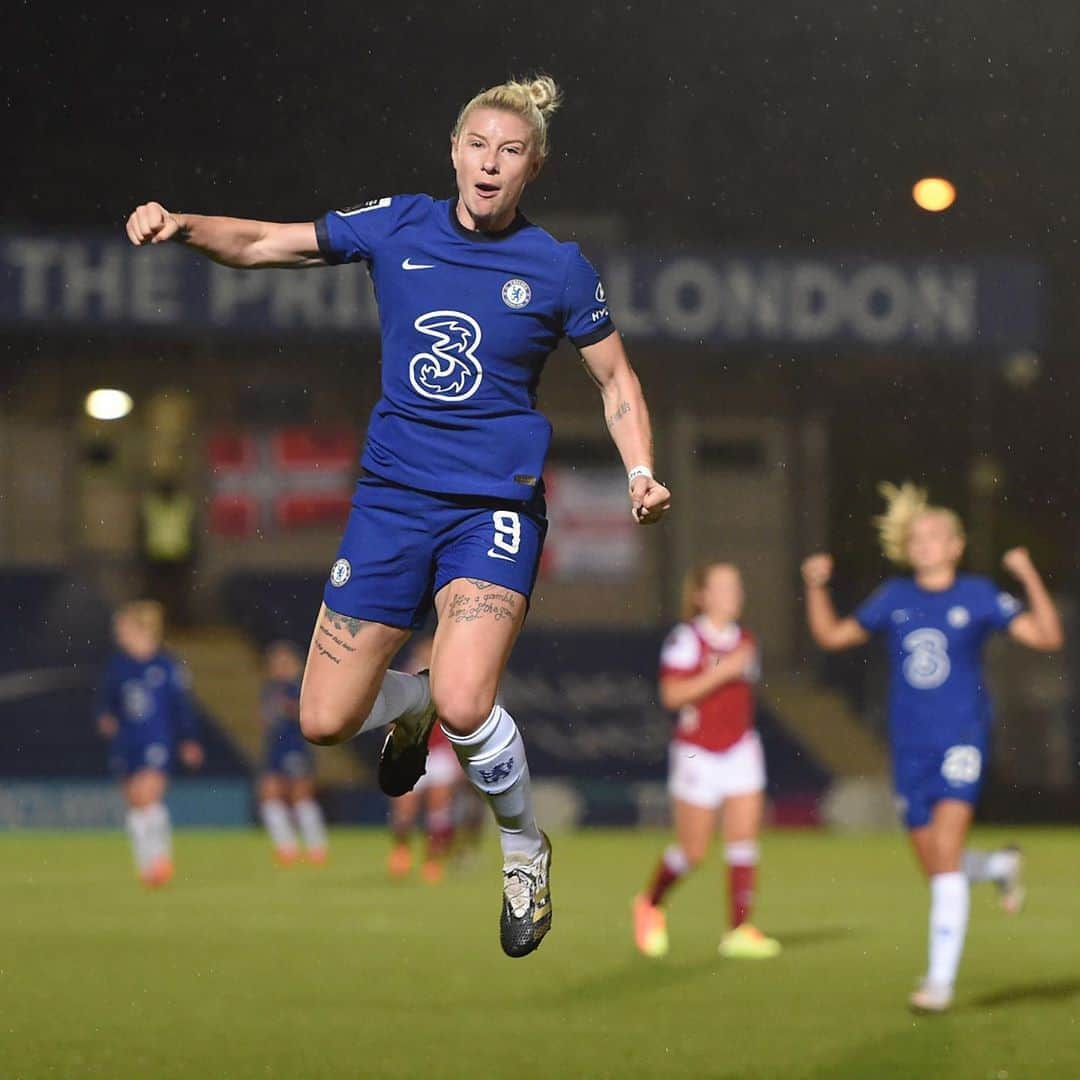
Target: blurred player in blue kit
{"type": "Point", "coordinates": [144, 709]}
{"type": "Point", "coordinates": [287, 785]}
{"type": "Point", "coordinates": [473, 298]}
{"type": "Point", "coordinates": [934, 624]}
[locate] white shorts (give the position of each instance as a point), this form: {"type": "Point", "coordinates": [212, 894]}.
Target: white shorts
{"type": "Point", "coordinates": [443, 769]}
{"type": "Point", "coordinates": [704, 778]}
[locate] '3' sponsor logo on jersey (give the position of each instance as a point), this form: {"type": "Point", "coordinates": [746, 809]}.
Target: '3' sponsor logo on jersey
{"type": "Point", "coordinates": [450, 370]}
{"type": "Point", "coordinates": [927, 665]}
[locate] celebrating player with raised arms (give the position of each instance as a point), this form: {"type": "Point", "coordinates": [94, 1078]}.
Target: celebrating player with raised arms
{"type": "Point", "coordinates": [472, 298]}
{"type": "Point", "coordinates": [716, 771]}
{"type": "Point", "coordinates": [935, 623]}
{"type": "Point", "coordinates": [145, 711]}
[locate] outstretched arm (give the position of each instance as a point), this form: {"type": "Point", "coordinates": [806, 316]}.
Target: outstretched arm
{"type": "Point", "coordinates": [1040, 626]}
{"type": "Point", "coordinates": [238, 242]}
{"type": "Point", "coordinates": [831, 632]}
{"type": "Point", "coordinates": [627, 419]}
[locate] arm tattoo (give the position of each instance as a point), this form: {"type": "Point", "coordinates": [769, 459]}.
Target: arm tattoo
{"type": "Point", "coordinates": [479, 583]}
{"type": "Point", "coordinates": [619, 413]}
{"type": "Point", "coordinates": [345, 622]}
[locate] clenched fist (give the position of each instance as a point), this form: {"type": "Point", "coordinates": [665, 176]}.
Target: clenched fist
{"type": "Point", "coordinates": [151, 223]}
{"type": "Point", "coordinates": [649, 500]}
{"type": "Point", "coordinates": [817, 570]}
{"type": "Point", "coordinates": [1018, 562]}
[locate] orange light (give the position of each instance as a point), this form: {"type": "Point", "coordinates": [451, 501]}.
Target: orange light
{"type": "Point", "coordinates": [934, 194]}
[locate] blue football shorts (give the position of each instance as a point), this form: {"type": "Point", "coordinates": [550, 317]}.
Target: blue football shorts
{"type": "Point", "coordinates": [288, 753]}
{"type": "Point", "coordinates": [923, 778]}
{"type": "Point", "coordinates": [401, 546]}
{"type": "Point", "coordinates": [132, 751]}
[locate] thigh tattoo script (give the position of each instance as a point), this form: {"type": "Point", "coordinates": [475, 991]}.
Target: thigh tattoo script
{"type": "Point", "coordinates": [487, 599]}
{"type": "Point", "coordinates": [334, 635]}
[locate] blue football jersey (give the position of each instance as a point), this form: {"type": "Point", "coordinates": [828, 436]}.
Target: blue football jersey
{"type": "Point", "coordinates": [467, 321]}
{"type": "Point", "coordinates": [279, 703]}
{"type": "Point", "coordinates": [149, 699]}
{"type": "Point", "coordinates": [937, 695]}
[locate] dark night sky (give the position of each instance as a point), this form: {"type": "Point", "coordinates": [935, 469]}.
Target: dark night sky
{"type": "Point", "coordinates": [750, 124]}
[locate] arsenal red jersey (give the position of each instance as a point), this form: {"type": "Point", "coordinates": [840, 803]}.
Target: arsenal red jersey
{"type": "Point", "coordinates": [719, 721]}
{"type": "Point", "coordinates": [438, 737]}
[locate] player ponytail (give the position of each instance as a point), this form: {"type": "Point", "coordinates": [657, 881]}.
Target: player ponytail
{"type": "Point", "coordinates": [534, 100]}
{"type": "Point", "coordinates": [903, 505]}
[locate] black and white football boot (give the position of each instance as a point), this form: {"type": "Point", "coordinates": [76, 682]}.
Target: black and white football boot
{"type": "Point", "coordinates": [526, 910]}
{"type": "Point", "coordinates": [403, 759]}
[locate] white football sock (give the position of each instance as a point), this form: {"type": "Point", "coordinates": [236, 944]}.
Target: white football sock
{"type": "Point", "coordinates": [949, 903]}
{"type": "Point", "coordinates": [312, 826]}
{"type": "Point", "coordinates": [742, 853]}
{"type": "Point", "coordinates": [399, 695]}
{"type": "Point", "coordinates": [275, 816]}
{"type": "Point", "coordinates": [139, 830]}
{"type": "Point", "coordinates": [676, 861]}
{"type": "Point", "coordinates": [160, 830]}
{"type": "Point", "coordinates": [989, 865]}
{"type": "Point", "coordinates": [493, 758]}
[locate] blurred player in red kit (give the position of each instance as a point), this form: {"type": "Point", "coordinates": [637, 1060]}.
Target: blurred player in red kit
{"type": "Point", "coordinates": [708, 666]}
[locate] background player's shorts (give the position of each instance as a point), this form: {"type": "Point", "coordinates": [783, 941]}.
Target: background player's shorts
{"type": "Point", "coordinates": [130, 754]}
{"type": "Point", "coordinates": [443, 769]}
{"type": "Point", "coordinates": [922, 778]}
{"type": "Point", "coordinates": [401, 546]}
{"type": "Point", "coordinates": [288, 753]}
{"type": "Point", "coordinates": [704, 778]}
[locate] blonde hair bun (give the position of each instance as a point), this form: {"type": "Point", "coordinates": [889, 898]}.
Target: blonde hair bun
{"type": "Point", "coordinates": [534, 100]}
{"type": "Point", "coordinates": [545, 94]}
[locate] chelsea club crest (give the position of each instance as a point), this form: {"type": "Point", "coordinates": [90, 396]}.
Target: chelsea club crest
{"type": "Point", "coordinates": [516, 293]}
{"type": "Point", "coordinates": [340, 572]}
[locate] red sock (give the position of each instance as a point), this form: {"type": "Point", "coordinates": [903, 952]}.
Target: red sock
{"type": "Point", "coordinates": [439, 838]}
{"type": "Point", "coordinates": [740, 892]}
{"type": "Point", "coordinates": [672, 867]}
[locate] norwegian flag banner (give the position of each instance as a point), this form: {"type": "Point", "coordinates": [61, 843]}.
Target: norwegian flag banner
{"type": "Point", "coordinates": [280, 480]}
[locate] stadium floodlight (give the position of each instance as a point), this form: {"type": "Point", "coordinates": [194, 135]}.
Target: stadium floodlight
{"type": "Point", "coordinates": [934, 193]}
{"type": "Point", "coordinates": [108, 404]}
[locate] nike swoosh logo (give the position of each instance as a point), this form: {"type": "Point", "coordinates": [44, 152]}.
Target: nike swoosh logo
{"type": "Point", "coordinates": [408, 264]}
{"type": "Point", "coordinates": [493, 554]}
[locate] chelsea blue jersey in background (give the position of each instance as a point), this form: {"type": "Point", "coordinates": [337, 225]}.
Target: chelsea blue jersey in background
{"type": "Point", "coordinates": [935, 640]}
{"type": "Point", "coordinates": [151, 702]}
{"type": "Point", "coordinates": [467, 321]}
{"type": "Point", "coordinates": [287, 751]}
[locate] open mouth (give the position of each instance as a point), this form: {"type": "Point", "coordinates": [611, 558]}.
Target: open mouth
{"type": "Point", "coordinates": [486, 191]}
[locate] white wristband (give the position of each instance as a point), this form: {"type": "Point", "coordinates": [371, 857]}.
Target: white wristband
{"type": "Point", "coordinates": [636, 471]}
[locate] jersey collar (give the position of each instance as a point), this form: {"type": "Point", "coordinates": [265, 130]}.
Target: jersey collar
{"type": "Point", "coordinates": [476, 236]}
{"type": "Point", "coordinates": [723, 637]}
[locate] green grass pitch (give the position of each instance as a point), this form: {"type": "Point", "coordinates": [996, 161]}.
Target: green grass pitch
{"type": "Point", "coordinates": [240, 969]}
